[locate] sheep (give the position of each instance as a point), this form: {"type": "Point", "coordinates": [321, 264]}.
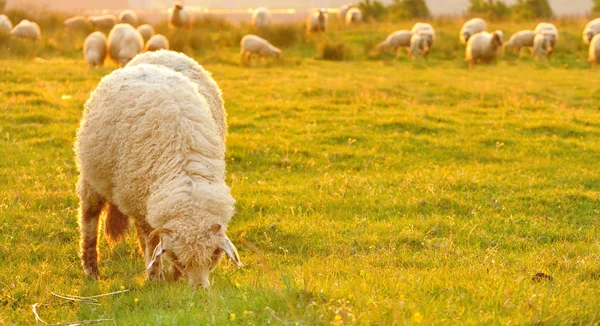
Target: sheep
{"type": "Point", "coordinates": [179, 17]}
{"type": "Point", "coordinates": [157, 42]}
{"type": "Point", "coordinates": [128, 17]}
{"type": "Point", "coordinates": [353, 16]}
{"type": "Point", "coordinates": [252, 44]}
{"type": "Point", "coordinates": [317, 21]}
{"type": "Point", "coordinates": [418, 46]}
{"type": "Point", "coordinates": [261, 17]}
{"type": "Point", "coordinates": [344, 10]}
{"type": "Point", "coordinates": [472, 27]}
{"type": "Point", "coordinates": [124, 42]}
{"type": "Point", "coordinates": [591, 29]}
{"type": "Point", "coordinates": [427, 32]}
{"type": "Point", "coordinates": [5, 24]}
{"type": "Point", "coordinates": [146, 30]}
{"type": "Point", "coordinates": [94, 49]}
{"type": "Point", "coordinates": [191, 69]}
{"type": "Point", "coordinates": [147, 148]}
{"type": "Point", "coordinates": [520, 40]}
{"type": "Point", "coordinates": [103, 22]}
{"type": "Point", "coordinates": [27, 30]}
{"type": "Point", "coordinates": [396, 40]}
{"type": "Point", "coordinates": [551, 32]}
{"type": "Point", "coordinates": [594, 52]}
{"type": "Point", "coordinates": [542, 45]}
{"type": "Point", "coordinates": [483, 46]}
{"type": "Point", "coordinates": [77, 24]}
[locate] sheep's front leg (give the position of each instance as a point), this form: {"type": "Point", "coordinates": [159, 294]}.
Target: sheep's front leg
{"type": "Point", "coordinates": [148, 245]}
{"type": "Point", "coordinates": [90, 206]}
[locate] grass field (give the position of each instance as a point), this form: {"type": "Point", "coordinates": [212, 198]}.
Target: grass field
{"type": "Point", "coordinates": [368, 192]}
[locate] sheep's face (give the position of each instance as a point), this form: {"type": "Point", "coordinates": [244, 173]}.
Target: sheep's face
{"type": "Point", "coordinates": [466, 36]}
{"type": "Point", "coordinates": [178, 5]}
{"type": "Point", "coordinates": [589, 35]}
{"type": "Point", "coordinates": [497, 38]}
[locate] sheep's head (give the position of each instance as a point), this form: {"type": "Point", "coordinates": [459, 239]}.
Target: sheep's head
{"type": "Point", "coordinates": [497, 38]}
{"type": "Point", "coordinates": [177, 5]}
{"type": "Point", "coordinates": [196, 260]}
{"type": "Point", "coordinates": [322, 16]}
{"type": "Point", "coordinates": [466, 35]}
{"type": "Point", "coordinates": [589, 36]}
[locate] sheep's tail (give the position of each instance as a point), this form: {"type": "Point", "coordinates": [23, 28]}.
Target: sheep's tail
{"type": "Point", "coordinates": [116, 223]}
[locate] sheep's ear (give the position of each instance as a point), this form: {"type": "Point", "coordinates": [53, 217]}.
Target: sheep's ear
{"type": "Point", "coordinates": [231, 251]}
{"type": "Point", "coordinates": [158, 251]}
{"type": "Point", "coordinates": [215, 228]}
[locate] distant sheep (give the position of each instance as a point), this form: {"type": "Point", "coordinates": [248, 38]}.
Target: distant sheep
{"type": "Point", "coordinates": [124, 43]}
{"type": "Point", "coordinates": [317, 21]}
{"type": "Point", "coordinates": [77, 24]}
{"type": "Point", "coordinates": [179, 17]}
{"type": "Point", "coordinates": [472, 27]}
{"type": "Point", "coordinates": [353, 16]}
{"type": "Point", "coordinates": [103, 22]}
{"type": "Point", "coordinates": [427, 32]}
{"type": "Point", "coordinates": [520, 40]}
{"type": "Point", "coordinates": [591, 29]}
{"type": "Point", "coordinates": [252, 44]}
{"type": "Point", "coordinates": [542, 45]}
{"type": "Point", "coordinates": [551, 33]}
{"type": "Point", "coordinates": [27, 30]}
{"type": "Point", "coordinates": [94, 49]}
{"type": "Point", "coordinates": [148, 148]}
{"type": "Point", "coordinates": [5, 24]}
{"type": "Point", "coordinates": [395, 41]}
{"type": "Point", "coordinates": [207, 87]}
{"type": "Point", "coordinates": [157, 42]}
{"type": "Point", "coordinates": [344, 10]}
{"type": "Point", "coordinates": [147, 31]}
{"type": "Point", "coordinates": [128, 17]}
{"type": "Point", "coordinates": [418, 46]}
{"type": "Point", "coordinates": [483, 47]}
{"type": "Point", "coordinates": [261, 17]}
{"type": "Point", "coordinates": [594, 52]}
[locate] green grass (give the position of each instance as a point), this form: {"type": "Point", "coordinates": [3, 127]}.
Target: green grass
{"type": "Point", "coordinates": [368, 192]}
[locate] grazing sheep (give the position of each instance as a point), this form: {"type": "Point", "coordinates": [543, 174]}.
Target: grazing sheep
{"type": "Point", "coordinates": [395, 41]}
{"type": "Point", "coordinates": [317, 21]}
{"type": "Point", "coordinates": [472, 27]}
{"type": "Point", "coordinates": [5, 24]}
{"type": "Point", "coordinates": [77, 24]}
{"type": "Point", "coordinates": [591, 29]}
{"type": "Point", "coordinates": [124, 43]}
{"type": "Point", "coordinates": [427, 32]}
{"type": "Point", "coordinates": [27, 30]}
{"type": "Point", "coordinates": [191, 69]}
{"type": "Point", "coordinates": [179, 17]}
{"type": "Point", "coordinates": [157, 42]}
{"type": "Point", "coordinates": [418, 46]}
{"type": "Point", "coordinates": [128, 17]}
{"type": "Point", "coordinates": [148, 148]}
{"type": "Point", "coordinates": [520, 40]}
{"type": "Point", "coordinates": [94, 49]}
{"type": "Point", "coordinates": [344, 10]}
{"type": "Point", "coordinates": [542, 45]}
{"type": "Point", "coordinates": [551, 32]}
{"type": "Point", "coordinates": [483, 47]}
{"type": "Point", "coordinates": [103, 22]}
{"type": "Point", "coordinates": [146, 30]}
{"type": "Point", "coordinates": [252, 44]}
{"type": "Point", "coordinates": [353, 16]}
{"type": "Point", "coordinates": [261, 17]}
{"type": "Point", "coordinates": [594, 53]}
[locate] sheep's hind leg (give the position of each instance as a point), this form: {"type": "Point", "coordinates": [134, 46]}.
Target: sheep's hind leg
{"type": "Point", "coordinates": [148, 245]}
{"type": "Point", "coordinates": [89, 211]}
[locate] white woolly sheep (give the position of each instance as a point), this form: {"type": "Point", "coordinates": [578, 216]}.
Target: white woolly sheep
{"type": "Point", "coordinates": [159, 160]}
{"type": "Point", "coordinates": [483, 47]}
{"type": "Point", "coordinates": [124, 43]}
{"type": "Point", "coordinates": [591, 29]}
{"type": "Point", "coordinates": [179, 17]}
{"type": "Point", "coordinates": [472, 27]}
{"type": "Point", "coordinates": [103, 22]}
{"type": "Point", "coordinates": [191, 69]}
{"type": "Point", "coordinates": [353, 16]}
{"type": "Point", "coordinates": [395, 41]}
{"type": "Point", "coordinates": [520, 40]}
{"type": "Point", "coordinates": [542, 45]}
{"type": "Point", "coordinates": [427, 32]}
{"type": "Point", "coordinates": [77, 24]}
{"type": "Point", "coordinates": [261, 17]}
{"type": "Point", "coordinates": [594, 52]}
{"type": "Point", "coordinates": [252, 44]}
{"type": "Point", "coordinates": [157, 42]}
{"type": "Point", "coordinates": [5, 24]}
{"type": "Point", "coordinates": [94, 49]}
{"type": "Point", "coordinates": [128, 16]}
{"type": "Point", "coordinates": [418, 46]}
{"type": "Point", "coordinates": [147, 31]}
{"type": "Point", "coordinates": [317, 21]}
{"type": "Point", "coordinates": [551, 32]}
{"type": "Point", "coordinates": [344, 10]}
{"type": "Point", "coordinates": [27, 30]}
